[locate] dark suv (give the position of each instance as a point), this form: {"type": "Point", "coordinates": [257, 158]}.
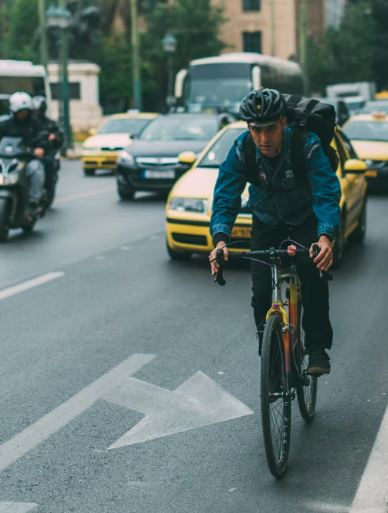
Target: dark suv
{"type": "Point", "coordinates": [150, 163]}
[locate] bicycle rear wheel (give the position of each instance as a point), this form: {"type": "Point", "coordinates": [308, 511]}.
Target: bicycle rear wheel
{"type": "Point", "coordinates": [307, 393]}
{"type": "Point", "coordinates": [275, 405]}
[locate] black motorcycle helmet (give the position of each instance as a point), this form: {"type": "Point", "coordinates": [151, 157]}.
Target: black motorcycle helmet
{"type": "Point", "coordinates": [262, 107]}
{"type": "Point", "coordinates": [39, 104]}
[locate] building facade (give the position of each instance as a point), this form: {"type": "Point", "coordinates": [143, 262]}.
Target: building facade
{"type": "Point", "coordinates": [265, 26]}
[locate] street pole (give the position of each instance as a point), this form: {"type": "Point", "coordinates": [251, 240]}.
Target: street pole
{"type": "Point", "coordinates": [136, 80]}
{"type": "Point", "coordinates": [64, 60]}
{"type": "Point", "coordinates": [273, 28]}
{"type": "Point", "coordinates": [303, 38]}
{"type": "Point", "coordinates": [302, 15]}
{"type": "Point", "coordinates": [43, 34]}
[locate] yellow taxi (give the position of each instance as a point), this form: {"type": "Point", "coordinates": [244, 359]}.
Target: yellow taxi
{"type": "Point", "coordinates": [369, 136]}
{"type": "Point", "coordinates": [101, 149]}
{"type": "Point", "coordinates": [189, 203]}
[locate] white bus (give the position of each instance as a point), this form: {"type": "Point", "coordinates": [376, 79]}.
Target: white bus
{"type": "Point", "coordinates": [221, 82]}
{"type": "Point", "coordinates": [21, 76]}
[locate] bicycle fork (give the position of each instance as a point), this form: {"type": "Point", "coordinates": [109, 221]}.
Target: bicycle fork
{"type": "Point", "coordinates": [278, 308]}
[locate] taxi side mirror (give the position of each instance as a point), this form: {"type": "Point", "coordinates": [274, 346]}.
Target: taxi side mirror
{"type": "Point", "coordinates": [92, 131]}
{"type": "Point", "coordinates": [355, 167]}
{"type": "Point", "coordinates": [187, 159]}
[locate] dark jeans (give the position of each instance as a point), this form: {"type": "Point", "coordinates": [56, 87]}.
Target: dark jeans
{"type": "Point", "coordinates": [315, 291]}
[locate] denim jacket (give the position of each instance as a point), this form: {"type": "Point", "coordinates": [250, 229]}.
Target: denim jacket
{"type": "Point", "coordinates": [325, 191]}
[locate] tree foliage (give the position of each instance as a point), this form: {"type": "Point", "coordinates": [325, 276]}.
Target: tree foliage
{"type": "Point", "coordinates": [356, 51]}
{"type": "Point", "coordinates": [196, 27]}
{"type": "Point", "coordinates": [21, 20]}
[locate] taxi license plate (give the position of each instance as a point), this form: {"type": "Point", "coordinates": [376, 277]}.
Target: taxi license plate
{"type": "Point", "coordinates": [159, 174]}
{"type": "Point", "coordinates": [371, 172]}
{"type": "Point", "coordinates": [242, 232]}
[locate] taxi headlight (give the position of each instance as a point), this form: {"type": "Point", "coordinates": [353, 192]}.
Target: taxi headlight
{"type": "Point", "coordinates": [10, 179]}
{"type": "Point", "coordinates": [126, 158]}
{"type": "Point", "coordinates": [199, 206]}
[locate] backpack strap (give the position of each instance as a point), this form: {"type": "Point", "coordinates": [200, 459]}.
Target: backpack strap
{"type": "Point", "coordinates": [249, 150]}
{"type": "Point", "coordinates": [298, 141]}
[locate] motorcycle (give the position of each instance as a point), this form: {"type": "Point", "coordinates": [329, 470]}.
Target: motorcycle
{"type": "Point", "coordinates": [14, 188]}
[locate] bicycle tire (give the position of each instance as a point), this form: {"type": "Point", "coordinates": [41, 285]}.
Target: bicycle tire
{"type": "Point", "coordinates": [306, 394]}
{"type": "Point", "coordinates": [275, 412]}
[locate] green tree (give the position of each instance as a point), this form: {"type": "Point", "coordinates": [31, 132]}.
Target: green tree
{"type": "Point", "coordinates": [23, 22]}
{"type": "Point", "coordinates": [114, 59]}
{"type": "Point", "coordinates": [379, 13]}
{"type": "Point", "coordinates": [345, 54]}
{"type": "Point", "coordinates": [196, 26]}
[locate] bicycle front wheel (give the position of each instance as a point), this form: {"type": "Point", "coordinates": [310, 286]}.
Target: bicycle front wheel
{"type": "Point", "coordinates": [275, 404]}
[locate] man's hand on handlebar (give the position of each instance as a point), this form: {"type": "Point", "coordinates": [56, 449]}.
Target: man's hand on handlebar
{"type": "Point", "coordinates": [324, 259]}
{"type": "Point", "coordinates": [212, 257]}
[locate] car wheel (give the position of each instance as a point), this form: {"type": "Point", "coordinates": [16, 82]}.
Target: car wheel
{"type": "Point", "coordinates": [360, 232]}
{"type": "Point", "coordinates": [339, 245]}
{"type": "Point", "coordinates": [126, 194]}
{"type": "Point", "coordinates": [89, 172]}
{"type": "Point", "coordinates": [178, 255]}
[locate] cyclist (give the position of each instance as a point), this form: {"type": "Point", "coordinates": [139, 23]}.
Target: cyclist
{"type": "Point", "coordinates": [23, 124]}
{"type": "Point", "coordinates": [281, 205]}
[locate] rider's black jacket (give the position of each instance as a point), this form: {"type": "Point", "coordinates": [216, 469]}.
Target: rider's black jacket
{"type": "Point", "coordinates": [51, 127]}
{"type": "Point", "coordinates": [30, 130]}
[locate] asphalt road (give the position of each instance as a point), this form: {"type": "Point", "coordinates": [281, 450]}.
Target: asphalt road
{"type": "Point", "coordinates": [121, 336]}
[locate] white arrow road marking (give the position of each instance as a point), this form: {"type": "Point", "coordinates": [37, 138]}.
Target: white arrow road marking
{"type": "Point", "coordinates": [372, 493]}
{"type": "Point", "coordinates": [32, 436]}
{"type": "Point", "coordinates": [199, 401]}
{"type": "Point", "coordinates": [12, 291]}
{"type": "Point", "coordinates": [16, 507]}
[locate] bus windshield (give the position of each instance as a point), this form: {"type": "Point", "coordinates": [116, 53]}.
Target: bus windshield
{"type": "Point", "coordinates": [219, 85]}
{"type": "Point", "coordinates": [30, 85]}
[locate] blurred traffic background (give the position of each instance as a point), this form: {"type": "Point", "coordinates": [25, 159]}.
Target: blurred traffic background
{"type": "Point", "coordinates": [142, 98]}
{"type": "Point", "coordinates": [140, 87]}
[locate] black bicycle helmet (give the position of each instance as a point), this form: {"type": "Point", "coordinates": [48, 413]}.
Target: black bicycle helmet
{"type": "Point", "coordinates": [262, 107]}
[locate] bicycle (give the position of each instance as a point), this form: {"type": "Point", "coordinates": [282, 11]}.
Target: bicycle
{"type": "Point", "coordinates": [284, 359]}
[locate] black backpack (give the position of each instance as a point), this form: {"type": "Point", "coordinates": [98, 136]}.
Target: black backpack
{"type": "Point", "coordinates": [304, 115]}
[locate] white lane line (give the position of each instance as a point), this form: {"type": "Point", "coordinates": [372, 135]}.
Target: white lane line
{"type": "Point", "coordinates": [30, 284]}
{"type": "Point", "coordinates": [49, 424]}
{"type": "Point", "coordinates": [372, 493]}
{"type": "Point", "coordinates": [17, 507]}
{"type": "Point", "coordinates": [74, 197]}
{"type": "Point", "coordinates": [326, 507]}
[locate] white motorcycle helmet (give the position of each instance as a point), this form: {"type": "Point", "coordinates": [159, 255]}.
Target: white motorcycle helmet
{"type": "Point", "coordinates": [20, 101]}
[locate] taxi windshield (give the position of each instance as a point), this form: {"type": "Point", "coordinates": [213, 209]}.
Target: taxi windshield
{"type": "Point", "coordinates": [218, 152]}
{"type": "Point", "coordinates": [124, 126]}
{"type": "Point", "coordinates": [367, 130]}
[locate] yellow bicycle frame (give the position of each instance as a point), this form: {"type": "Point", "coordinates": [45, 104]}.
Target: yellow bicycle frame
{"type": "Point", "coordinates": [289, 315]}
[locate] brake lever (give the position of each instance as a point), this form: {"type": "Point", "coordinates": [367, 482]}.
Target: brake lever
{"type": "Point", "coordinates": [324, 275]}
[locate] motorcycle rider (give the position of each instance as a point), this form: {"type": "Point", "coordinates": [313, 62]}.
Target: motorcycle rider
{"type": "Point", "coordinates": [23, 124]}
{"type": "Point", "coordinates": [54, 140]}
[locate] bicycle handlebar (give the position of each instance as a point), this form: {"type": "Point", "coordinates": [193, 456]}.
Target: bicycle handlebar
{"type": "Point", "coordinates": [219, 276]}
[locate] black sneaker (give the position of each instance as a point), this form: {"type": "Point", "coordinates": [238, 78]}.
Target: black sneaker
{"type": "Point", "coordinates": [319, 362]}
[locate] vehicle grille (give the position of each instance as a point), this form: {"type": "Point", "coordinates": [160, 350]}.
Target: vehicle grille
{"type": "Point", "coordinates": [157, 163]}
{"type": "Point", "coordinates": [198, 240]}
